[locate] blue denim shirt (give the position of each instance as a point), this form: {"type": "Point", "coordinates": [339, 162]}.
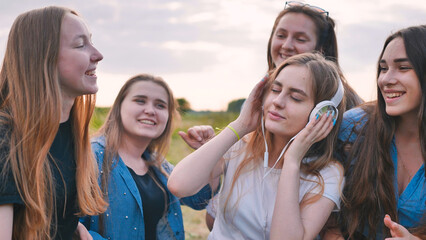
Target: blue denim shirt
{"type": "Point", "coordinates": [124, 216]}
{"type": "Point", "coordinates": [411, 203]}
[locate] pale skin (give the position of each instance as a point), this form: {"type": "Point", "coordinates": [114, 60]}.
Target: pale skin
{"type": "Point", "coordinates": [397, 231]}
{"type": "Point", "coordinates": [213, 150]}
{"type": "Point", "coordinates": [6, 221]}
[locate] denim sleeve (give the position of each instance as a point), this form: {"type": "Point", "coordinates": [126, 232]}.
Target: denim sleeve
{"type": "Point", "coordinates": [197, 201]}
{"type": "Point", "coordinates": [352, 122]}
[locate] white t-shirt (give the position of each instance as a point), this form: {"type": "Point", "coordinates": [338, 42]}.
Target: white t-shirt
{"type": "Point", "coordinates": [251, 204]}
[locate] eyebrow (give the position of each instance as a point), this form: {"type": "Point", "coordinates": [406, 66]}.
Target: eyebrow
{"type": "Point", "coordinates": [398, 60]}
{"type": "Point", "coordinates": [145, 97]}
{"type": "Point", "coordinates": [285, 30]}
{"type": "Point", "coordinates": [83, 36]}
{"type": "Point", "coordinates": [296, 90]}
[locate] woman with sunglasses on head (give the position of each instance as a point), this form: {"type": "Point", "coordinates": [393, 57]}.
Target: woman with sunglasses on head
{"type": "Point", "coordinates": [130, 151]}
{"type": "Point", "coordinates": [384, 146]}
{"type": "Point", "coordinates": [280, 178]}
{"type": "Point", "coordinates": [47, 87]}
{"type": "Point", "coordinates": [300, 28]}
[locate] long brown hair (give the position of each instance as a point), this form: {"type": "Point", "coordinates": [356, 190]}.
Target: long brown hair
{"type": "Point", "coordinates": [30, 107]}
{"type": "Point", "coordinates": [369, 192]}
{"type": "Point", "coordinates": [113, 128]}
{"type": "Point", "coordinates": [325, 77]}
{"type": "Point", "coordinates": [326, 44]}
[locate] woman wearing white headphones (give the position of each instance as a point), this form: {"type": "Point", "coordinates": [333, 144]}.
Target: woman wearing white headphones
{"type": "Point", "coordinates": [270, 191]}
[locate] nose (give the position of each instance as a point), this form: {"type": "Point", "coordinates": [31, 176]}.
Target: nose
{"type": "Point", "coordinates": [279, 101]}
{"type": "Point", "coordinates": [288, 44]}
{"type": "Point", "coordinates": [96, 55]}
{"type": "Point", "coordinates": [387, 78]}
{"type": "Point", "coordinates": [149, 109]}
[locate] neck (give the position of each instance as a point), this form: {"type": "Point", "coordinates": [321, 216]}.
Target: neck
{"type": "Point", "coordinates": [132, 148]}
{"type": "Point", "coordinates": [407, 128]}
{"type": "Point", "coordinates": [67, 104]}
{"type": "Point", "coordinates": [278, 144]}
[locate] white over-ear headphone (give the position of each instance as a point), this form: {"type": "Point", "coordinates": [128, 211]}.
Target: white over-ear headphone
{"type": "Point", "coordinates": [329, 105]}
{"type": "Point", "coordinates": [319, 109]}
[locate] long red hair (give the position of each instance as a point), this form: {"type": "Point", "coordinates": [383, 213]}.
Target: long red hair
{"type": "Point", "coordinates": [30, 107]}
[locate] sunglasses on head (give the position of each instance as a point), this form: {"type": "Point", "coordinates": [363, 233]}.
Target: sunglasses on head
{"type": "Point", "coordinates": [300, 4]}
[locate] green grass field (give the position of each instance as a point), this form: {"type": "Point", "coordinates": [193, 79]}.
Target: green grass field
{"type": "Point", "coordinates": [195, 227]}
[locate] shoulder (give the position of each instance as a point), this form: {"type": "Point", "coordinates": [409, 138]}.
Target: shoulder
{"type": "Point", "coordinates": [333, 171]}
{"type": "Point", "coordinates": [353, 120]}
{"type": "Point", "coordinates": [98, 143]}
{"type": "Point", "coordinates": [168, 167]}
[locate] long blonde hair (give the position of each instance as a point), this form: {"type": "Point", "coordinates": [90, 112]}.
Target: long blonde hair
{"type": "Point", "coordinates": [325, 76]}
{"type": "Point", "coordinates": [30, 107]}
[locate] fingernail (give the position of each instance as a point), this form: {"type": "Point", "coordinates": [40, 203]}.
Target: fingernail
{"type": "Point", "coordinates": [334, 121]}
{"type": "Point", "coordinates": [328, 113]}
{"type": "Point", "coordinates": [316, 116]}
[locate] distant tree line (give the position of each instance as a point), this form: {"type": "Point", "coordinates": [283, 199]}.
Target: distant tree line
{"type": "Point", "coordinates": [233, 106]}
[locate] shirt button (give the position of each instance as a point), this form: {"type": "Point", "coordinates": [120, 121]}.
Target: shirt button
{"type": "Point", "coordinates": [124, 193]}
{"type": "Point", "coordinates": [135, 228]}
{"type": "Point", "coordinates": [107, 214]}
{"type": "Point", "coordinates": [93, 221]}
{"type": "Point", "coordinates": [175, 214]}
{"type": "Point", "coordinates": [127, 217]}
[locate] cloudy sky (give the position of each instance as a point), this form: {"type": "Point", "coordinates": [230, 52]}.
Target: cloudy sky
{"type": "Point", "coordinates": [214, 51]}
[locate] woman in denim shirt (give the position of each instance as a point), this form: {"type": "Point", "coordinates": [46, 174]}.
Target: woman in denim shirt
{"type": "Point", "coordinates": [130, 151]}
{"type": "Point", "coordinates": [384, 146]}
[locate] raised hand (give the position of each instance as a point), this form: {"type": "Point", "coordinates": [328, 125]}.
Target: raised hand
{"type": "Point", "coordinates": [252, 108]}
{"type": "Point", "coordinates": [397, 231]}
{"type": "Point", "coordinates": [82, 232]}
{"type": "Point", "coordinates": [314, 131]}
{"type": "Point", "coordinates": [197, 135]}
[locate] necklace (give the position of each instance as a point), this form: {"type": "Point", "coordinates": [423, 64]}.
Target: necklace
{"type": "Point", "coordinates": [410, 176]}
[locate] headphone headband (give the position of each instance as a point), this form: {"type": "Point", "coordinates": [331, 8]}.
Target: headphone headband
{"type": "Point", "coordinates": [338, 96]}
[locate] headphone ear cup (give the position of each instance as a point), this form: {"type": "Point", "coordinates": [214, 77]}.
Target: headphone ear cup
{"type": "Point", "coordinates": [323, 108]}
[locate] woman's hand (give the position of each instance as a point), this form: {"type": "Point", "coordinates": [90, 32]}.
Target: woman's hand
{"type": "Point", "coordinates": [397, 231]}
{"type": "Point", "coordinates": [197, 136]}
{"type": "Point", "coordinates": [82, 232]}
{"type": "Point", "coordinates": [251, 110]}
{"type": "Point", "coordinates": [314, 131]}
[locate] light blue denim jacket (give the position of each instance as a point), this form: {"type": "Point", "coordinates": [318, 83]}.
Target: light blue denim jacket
{"type": "Point", "coordinates": [124, 216]}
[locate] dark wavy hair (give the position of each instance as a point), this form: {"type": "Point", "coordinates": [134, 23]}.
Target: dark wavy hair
{"type": "Point", "coordinates": [369, 192]}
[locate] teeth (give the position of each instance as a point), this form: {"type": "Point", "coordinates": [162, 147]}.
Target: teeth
{"type": "Point", "coordinates": [149, 122]}
{"type": "Point", "coordinates": [393, 95]}
{"type": "Point", "coordinates": [91, 73]}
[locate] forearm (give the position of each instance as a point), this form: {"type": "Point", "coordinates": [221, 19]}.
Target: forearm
{"type": "Point", "coordinates": [6, 221]}
{"type": "Point", "coordinates": [286, 220]}
{"type": "Point", "coordinates": [200, 167]}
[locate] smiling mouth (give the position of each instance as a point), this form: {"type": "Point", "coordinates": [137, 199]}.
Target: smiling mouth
{"type": "Point", "coordinates": [91, 73]}
{"type": "Point", "coordinates": [148, 122]}
{"type": "Point", "coordinates": [285, 56]}
{"type": "Point", "coordinates": [393, 95]}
